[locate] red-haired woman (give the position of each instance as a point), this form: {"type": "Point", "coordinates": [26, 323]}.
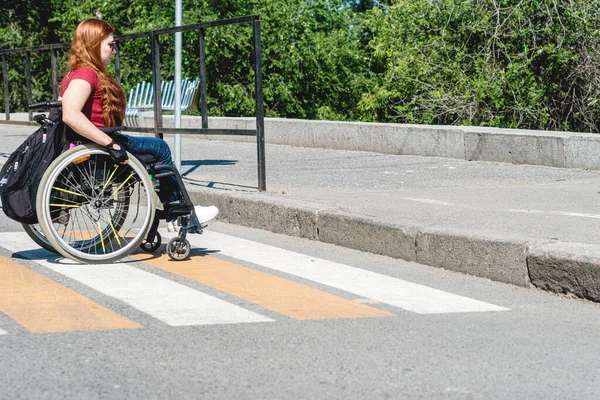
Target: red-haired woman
{"type": "Point", "coordinates": [92, 99]}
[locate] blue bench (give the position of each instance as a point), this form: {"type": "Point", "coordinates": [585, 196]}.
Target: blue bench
{"type": "Point", "coordinates": [141, 98]}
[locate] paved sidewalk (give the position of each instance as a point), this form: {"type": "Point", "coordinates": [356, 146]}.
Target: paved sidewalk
{"type": "Point", "coordinates": [524, 225]}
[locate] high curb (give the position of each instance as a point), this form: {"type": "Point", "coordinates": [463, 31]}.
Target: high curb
{"type": "Point", "coordinates": [500, 258]}
{"type": "Point", "coordinates": [568, 268]}
{"type": "Point", "coordinates": [497, 257]}
{"type": "Point", "coordinates": [559, 267]}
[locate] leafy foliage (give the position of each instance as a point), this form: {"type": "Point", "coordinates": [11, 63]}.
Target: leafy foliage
{"type": "Point", "coordinates": [505, 63]}
{"type": "Point", "coordinates": [21, 26]}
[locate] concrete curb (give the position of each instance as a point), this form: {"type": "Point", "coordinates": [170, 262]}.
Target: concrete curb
{"type": "Point", "coordinates": [569, 268]}
{"type": "Point", "coordinates": [497, 257]}
{"type": "Point", "coordinates": [559, 267]}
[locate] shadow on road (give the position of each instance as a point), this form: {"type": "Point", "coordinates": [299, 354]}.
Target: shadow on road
{"type": "Point", "coordinates": [195, 164]}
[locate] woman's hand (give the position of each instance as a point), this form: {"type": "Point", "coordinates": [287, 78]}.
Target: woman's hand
{"type": "Point", "coordinates": [117, 152]}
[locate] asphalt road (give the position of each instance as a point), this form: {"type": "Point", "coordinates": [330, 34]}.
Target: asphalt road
{"type": "Point", "coordinates": [495, 341]}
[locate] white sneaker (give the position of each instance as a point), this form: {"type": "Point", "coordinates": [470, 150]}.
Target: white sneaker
{"type": "Point", "coordinates": [205, 214]}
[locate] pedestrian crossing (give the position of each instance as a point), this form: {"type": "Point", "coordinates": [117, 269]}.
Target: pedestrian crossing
{"type": "Point", "coordinates": [280, 295]}
{"type": "Point", "coordinates": [371, 285]}
{"type": "Point", "coordinates": [158, 288]}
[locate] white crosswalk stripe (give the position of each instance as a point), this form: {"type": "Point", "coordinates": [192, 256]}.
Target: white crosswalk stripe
{"type": "Point", "coordinates": [396, 292]}
{"type": "Point", "coordinates": [165, 300]}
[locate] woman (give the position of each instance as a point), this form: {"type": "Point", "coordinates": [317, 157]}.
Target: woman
{"type": "Point", "coordinates": [92, 99]}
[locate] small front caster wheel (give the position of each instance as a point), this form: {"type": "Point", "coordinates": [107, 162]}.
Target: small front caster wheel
{"type": "Point", "coordinates": [179, 249]}
{"type": "Point", "coordinates": [152, 246]}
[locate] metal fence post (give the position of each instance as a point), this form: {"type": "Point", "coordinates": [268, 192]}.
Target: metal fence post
{"type": "Point", "coordinates": [260, 111]}
{"type": "Point", "coordinates": [203, 105]}
{"type": "Point", "coordinates": [158, 121]}
{"type": "Point", "coordinates": [5, 76]}
{"type": "Point", "coordinates": [118, 68]}
{"type": "Point", "coordinates": [28, 78]}
{"type": "Point", "coordinates": [54, 66]}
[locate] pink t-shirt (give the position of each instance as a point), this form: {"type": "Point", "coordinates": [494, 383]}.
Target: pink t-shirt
{"type": "Point", "coordinates": [93, 106]}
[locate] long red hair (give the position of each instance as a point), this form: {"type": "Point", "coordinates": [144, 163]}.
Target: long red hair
{"type": "Point", "coordinates": [85, 52]}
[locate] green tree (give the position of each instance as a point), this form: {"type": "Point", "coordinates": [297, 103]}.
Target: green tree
{"type": "Point", "coordinates": [507, 63]}
{"type": "Point", "coordinates": [22, 24]}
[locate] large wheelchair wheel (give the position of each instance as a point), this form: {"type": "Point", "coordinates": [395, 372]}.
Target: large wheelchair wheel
{"type": "Point", "coordinates": [91, 209]}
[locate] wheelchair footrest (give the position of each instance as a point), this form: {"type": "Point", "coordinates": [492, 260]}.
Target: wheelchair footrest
{"type": "Point", "coordinates": [178, 209]}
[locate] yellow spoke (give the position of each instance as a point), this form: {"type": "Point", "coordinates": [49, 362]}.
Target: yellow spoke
{"type": "Point", "coordinates": [122, 184]}
{"type": "Point", "coordinates": [67, 191]}
{"type": "Point", "coordinates": [110, 177]}
{"type": "Point", "coordinates": [64, 205]}
{"type": "Point", "coordinates": [114, 231]}
{"type": "Point", "coordinates": [101, 238]}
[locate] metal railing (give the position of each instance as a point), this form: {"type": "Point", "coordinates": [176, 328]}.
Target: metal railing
{"type": "Point", "coordinates": [158, 128]}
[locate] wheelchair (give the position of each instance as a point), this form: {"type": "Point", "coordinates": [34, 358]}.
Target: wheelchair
{"type": "Point", "coordinates": [93, 210]}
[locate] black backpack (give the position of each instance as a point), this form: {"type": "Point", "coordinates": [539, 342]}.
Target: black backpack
{"type": "Point", "coordinates": [21, 174]}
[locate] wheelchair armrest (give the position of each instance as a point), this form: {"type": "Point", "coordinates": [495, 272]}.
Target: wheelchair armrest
{"type": "Point", "coordinates": [113, 129]}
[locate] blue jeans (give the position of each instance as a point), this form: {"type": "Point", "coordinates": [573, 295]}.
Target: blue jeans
{"type": "Point", "coordinates": [159, 149]}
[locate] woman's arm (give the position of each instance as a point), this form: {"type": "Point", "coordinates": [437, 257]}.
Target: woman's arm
{"type": "Point", "coordinates": [73, 100]}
